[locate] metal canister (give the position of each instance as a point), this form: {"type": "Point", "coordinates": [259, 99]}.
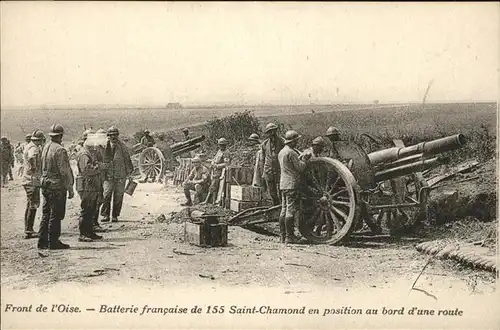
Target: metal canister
{"type": "Point", "coordinates": [130, 187]}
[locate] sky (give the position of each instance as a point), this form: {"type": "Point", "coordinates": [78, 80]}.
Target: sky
{"type": "Point", "coordinates": [127, 53]}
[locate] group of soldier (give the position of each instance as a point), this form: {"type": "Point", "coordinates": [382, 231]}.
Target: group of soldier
{"type": "Point", "coordinates": [103, 165]}
{"type": "Point", "coordinates": [278, 170]}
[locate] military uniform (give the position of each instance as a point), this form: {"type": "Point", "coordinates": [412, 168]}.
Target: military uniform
{"type": "Point", "coordinates": [90, 190]}
{"type": "Point", "coordinates": [57, 180]}
{"type": "Point", "coordinates": [147, 141]}
{"type": "Point", "coordinates": [221, 157]}
{"type": "Point", "coordinates": [271, 167]}
{"type": "Point", "coordinates": [198, 180]}
{"type": "Point", "coordinates": [119, 169]}
{"type": "Point", "coordinates": [32, 172]}
{"type": "Point", "coordinates": [6, 160]}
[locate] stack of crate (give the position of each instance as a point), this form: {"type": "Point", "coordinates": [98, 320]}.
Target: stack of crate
{"type": "Point", "coordinates": [244, 197]}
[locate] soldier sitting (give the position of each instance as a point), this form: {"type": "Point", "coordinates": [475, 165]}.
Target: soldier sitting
{"type": "Point", "coordinates": [198, 181]}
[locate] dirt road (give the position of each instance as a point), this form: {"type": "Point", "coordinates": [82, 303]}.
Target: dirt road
{"type": "Point", "coordinates": [139, 250]}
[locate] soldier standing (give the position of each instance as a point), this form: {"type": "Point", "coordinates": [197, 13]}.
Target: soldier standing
{"type": "Point", "coordinates": [57, 185]}
{"type": "Point", "coordinates": [165, 149]}
{"type": "Point", "coordinates": [270, 167]}
{"type": "Point", "coordinates": [291, 168]}
{"type": "Point", "coordinates": [89, 188]}
{"type": "Point", "coordinates": [5, 161]}
{"type": "Point", "coordinates": [220, 161]}
{"type": "Point", "coordinates": [101, 137]}
{"type": "Point", "coordinates": [333, 135]}
{"type": "Point", "coordinates": [32, 172]}
{"type": "Point", "coordinates": [316, 149]}
{"type": "Point", "coordinates": [198, 181]}
{"type": "Point", "coordinates": [148, 141]}
{"type": "Point", "coordinates": [120, 168]}
{"type": "Point", "coordinates": [11, 149]}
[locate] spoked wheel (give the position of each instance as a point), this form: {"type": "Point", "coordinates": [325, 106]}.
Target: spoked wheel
{"type": "Point", "coordinates": [329, 201]}
{"type": "Point", "coordinates": [151, 162]}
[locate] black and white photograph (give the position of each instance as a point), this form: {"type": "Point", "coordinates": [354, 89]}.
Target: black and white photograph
{"type": "Point", "coordinates": [249, 165]}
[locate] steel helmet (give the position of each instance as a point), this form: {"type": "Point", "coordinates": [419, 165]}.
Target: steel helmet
{"type": "Point", "coordinates": [4, 138]}
{"type": "Point", "coordinates": [185, 130]}
{"type": "Point", "coordinates": [319, 141]}
{"type": "Point", "coordinates": [37, 135]}
{"type": "Point", "coordinates": [56, 129]}
{"type": "Point", "coordinates": [86, 133]}
{"type": "Point", "coordinates": [222, 141]}
{"type": "Point", "coordinates": [332, 131]}
{"type": "Point", "coordinates": [270, 127]}
{"type": "Point", "coordinates": [113, 131]}
{"type": "Point", "coordinates": [254, 137]}
{"type": "Point", "coordinates": [161, 135]}
{"type": "Point", "coordinates": [146, 131]}
{"type": "Point", "coordinates": [27, 138]}
{"type": "Point", "coordinates": [291, 136]}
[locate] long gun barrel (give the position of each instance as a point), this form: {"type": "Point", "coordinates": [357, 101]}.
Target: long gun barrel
{"type": "Point", "coordinates": [405, 169]}
{"type": "Point", "coordinates": [427, 149]}
{"type": "Point", "coordinates": [186, 149]}
{"type": "Point", "coordinates": [184, 144]}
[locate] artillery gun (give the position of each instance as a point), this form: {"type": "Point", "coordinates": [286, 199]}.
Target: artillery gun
{"type": "Point", "coordinates": [154, 162]}
{"type": "Point", "coordinates": [385, 185]}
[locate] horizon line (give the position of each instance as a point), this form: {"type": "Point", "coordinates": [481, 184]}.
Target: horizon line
{"type": "Point", "coordinates": [221, 105]}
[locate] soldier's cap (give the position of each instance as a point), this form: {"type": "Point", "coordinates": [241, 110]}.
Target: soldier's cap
{"type": "Point", "coordinates": [222, 141]}
{"type": "Point", "coordinates": [86, 133]}
{"type": "Point", "coordinates": [254, 137]}
{"type": "Point", "coordinates": [291, 136]}
{"type": "Point", "coordinates": [146, 131]}
{"type": "Point", "coordinates": [56, 129]}
{"type": "Point", "coordinates": [270, 127]}
{"type": "Point", "coordinates": [185, 130]}
{"type": "Point", "coordinates": [4, 138]}
{"type": "Point", "coordinates": [319, 141]}
{"type": "Point", "coordinates": [27, 137]}
{"type": "Point", "coordinates": [332, 131]}
{"type": "Point", "coordinates": [112, 131]}
{"type": "Point", "coordinates": [37, 135]}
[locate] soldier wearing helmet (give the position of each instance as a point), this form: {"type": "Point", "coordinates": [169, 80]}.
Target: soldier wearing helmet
{"type": "Point", "coordinates": [197, 181]}
{"type": "Point", "coordinates": [254, 139]}
{"type": "Point", "coordinates": [185, 131]}
{"type": "Point", "coordinates": [221, 160]}
{"type": "Point", "coordinates": [316, 149]}
{"type": "Point", "coordinates": [269, 161]}
{"type": "Point", "coordinates": [99, 151]}
{"type": "Point", "coordinates": [291, 169]}
{"type": "Point", "coordinates": [7, 159]}
{"type": "Point", "coordinates": [333, 135]}
{"type": "Point", "coordinates": [120, 168]}
{"type": "Point", "coordinates": [32, 172]}
{"type": "Point", "coordinates": [148, 141]}
{"type": "Point", "coordinates": [57, 185]}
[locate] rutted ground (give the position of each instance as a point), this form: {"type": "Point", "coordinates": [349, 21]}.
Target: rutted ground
{"type": "Point", "coordinates": [140, 250]}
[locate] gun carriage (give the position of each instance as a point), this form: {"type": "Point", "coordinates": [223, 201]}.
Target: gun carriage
{"type": "Point", "coordinates": [380, 189]}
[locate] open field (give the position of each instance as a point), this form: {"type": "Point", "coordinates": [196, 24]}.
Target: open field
{"type": "Point", "coordinates": [398, 119]}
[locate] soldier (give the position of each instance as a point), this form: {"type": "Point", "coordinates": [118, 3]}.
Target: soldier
{"type": "Point", "coordinates": [185, 131]}
{"type": "Point", "coordinates": [120, 168]}
{"type": "Point", "coordinates": [164, 147]}
{"type": "Point", "coordinates": [220, 161]}
{"type": "Point", "coordinates": [32, 172]}
{"type": "Point", "coordinates": [89, 188]}
{"type": "Point", "coordinates": [6, 159]}
{"type": "Point", "coordinates": [57, 185]}
{"type": "Point", "coordinates": [11, 148]}
{"type": "Point", "coordinates": [148, 141]}
{"type": "Point", "coordinates": [317, 147]}
{"type": "Point", "coordinates": [101, 137]}
{"type": "Point", "coordinates": [254, 139]}
{"type": "Point", "coordinates": [270, 165]}
{"type": "Point", "coordinates": [198, 181]}
{"type": "Point", "coordinates": [291, 168]}
{"type": "Point", "coordinates": [333, 135]}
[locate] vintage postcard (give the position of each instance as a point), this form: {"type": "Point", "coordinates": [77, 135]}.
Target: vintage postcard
{"type": "Point", "coordinates": [255, 165]}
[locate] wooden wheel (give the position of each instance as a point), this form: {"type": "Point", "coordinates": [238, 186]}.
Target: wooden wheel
{"type": "Point", "coordinates": [329, 201]}
{"type": "Point", "coordinates": [151, 162]}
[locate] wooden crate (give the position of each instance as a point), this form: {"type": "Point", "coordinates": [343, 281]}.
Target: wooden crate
{"type": "Point", "coordinates": [205, 234]}
{"type": "Point", "coordinates": [239, 206]}
{"type": "Point", "coordinates": [245, 193]}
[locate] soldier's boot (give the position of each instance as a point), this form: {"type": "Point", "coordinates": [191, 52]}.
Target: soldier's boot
{"type": "Point", "coordinates": [30, 221]}
{"type": "Point", "coordinates": [290, 231]}
{"type": "Point", "coordinates": [282, 229]}
{"type": "Point", "coordinates": [188, 202]}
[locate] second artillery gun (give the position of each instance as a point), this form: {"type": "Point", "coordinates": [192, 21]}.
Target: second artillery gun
{"type": "Point", "coordinates": [154, 162]}
{"type": "Point", "coordinates": [381, 187]}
